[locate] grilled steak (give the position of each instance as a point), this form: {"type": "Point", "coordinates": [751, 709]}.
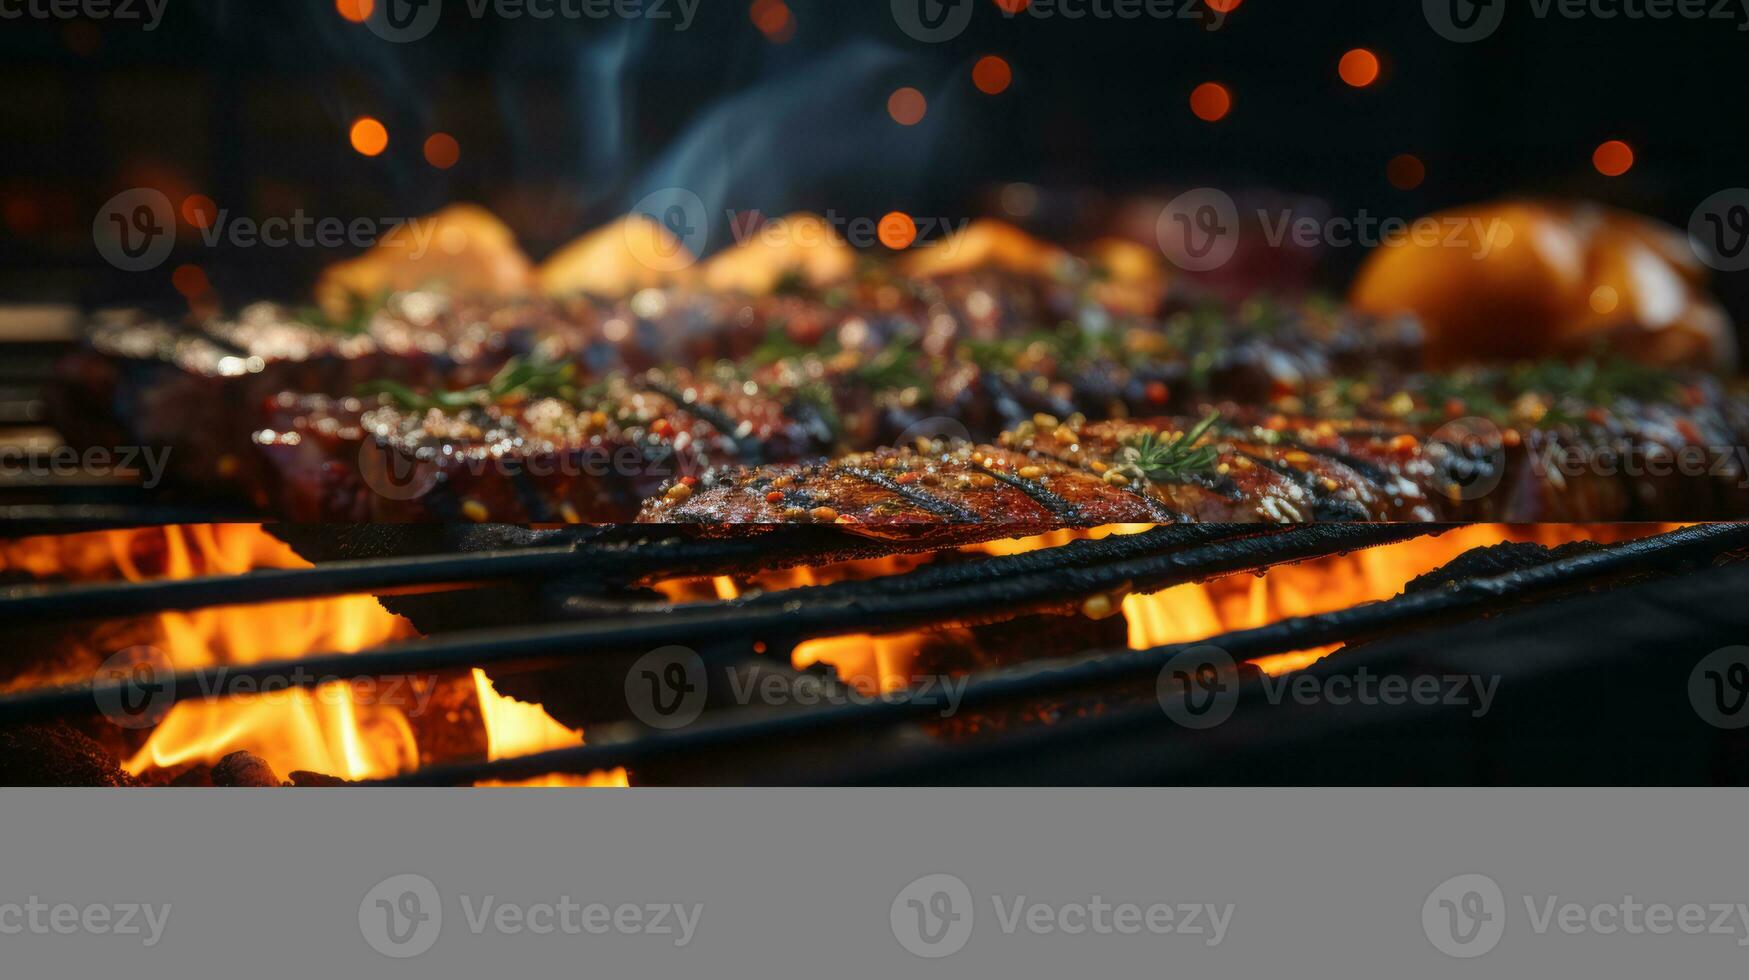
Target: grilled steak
{"type": "Point", "coordinates": [540, 455]}
{"type": "Point", "coordinates": [983, 347]}
{"type": "Point", "coordinates": [1622, 463]}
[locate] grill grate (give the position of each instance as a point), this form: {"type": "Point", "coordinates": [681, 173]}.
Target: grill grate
{"type": "Point", "coordinates": [592, 621]}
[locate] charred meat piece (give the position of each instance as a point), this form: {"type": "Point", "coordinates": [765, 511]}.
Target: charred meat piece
{"type": "Point", "coordinates": [1065, 475]}
{"type": "Point", "coordinates": [203, 390]}
{"type": "Point", "coordinates": [540, 454]}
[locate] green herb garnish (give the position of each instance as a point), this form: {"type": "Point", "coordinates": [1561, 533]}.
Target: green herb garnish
{"type": "Point", "coordinates": [1173, 461]}
{"type": "Point", "coordinates": [520, 378]}
{"type": "Point", "coordinates": [361, 308]}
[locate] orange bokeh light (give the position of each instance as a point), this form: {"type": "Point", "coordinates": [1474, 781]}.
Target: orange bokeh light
{"type": "Point", "coordinates": [1613, 158]}
{"type": "Point", "coordinates": [199, 210]}
{"type": "Point", "coordinates": [897, 230]}
{"type": "Point", "coordinates": [369, 136]}
{"type": "Point", "coordinates": [190, 281]}
{"type": "Point", "coordinates": [357, 11]}
{"type": "Point", "coordinates": [442, 151]}
{"type": "Point", "coordinates": [1359, 68]}
{"type": "Point", "coordinates": [907, 106]}
{"type": "Point", "coordinates": [992, 75]}
{"type": "Point", "coordinates": [774, 19]}
{"type": "Point", "coordinates": [1224, 6]}
{"type": "Point", "coordinates": [1211, 101]}
{"type": "Point", "coordinates": [1405, 171]}
{"type": "Point", "coordinates": [1012, 6]}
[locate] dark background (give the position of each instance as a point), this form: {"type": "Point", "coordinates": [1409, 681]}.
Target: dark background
{"type": "Point", "coordinates": [564, 123]}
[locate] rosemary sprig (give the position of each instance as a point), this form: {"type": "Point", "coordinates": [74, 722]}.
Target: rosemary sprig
{"type": "Point", "coordinates": [897, 366]}
{"type": "Point", "coordinates": [518, 380]}
{"type": "Point", "coordinates": [361, 308]}
{"type": "Point", "coordinates": [1173, 461]}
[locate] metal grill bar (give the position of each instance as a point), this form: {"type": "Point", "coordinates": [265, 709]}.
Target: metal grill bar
{"type": "Point", "coordinates": [1666, 552]}
{"type": "Point", "coordinates": [799, 614]}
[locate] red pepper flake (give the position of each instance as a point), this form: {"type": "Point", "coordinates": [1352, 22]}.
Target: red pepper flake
{"type": "Point", "coordinates": [774, 497]}
{"type": "Point", "coordinates": [905, 479]}
{"type": "Point", "coordinates": [1597, 416]}
{"type": "Point", "coordinates": [1689, 432]}
{"type": "Point", "coordinates": [1157, 392]}
{"type": "Point", "coordinates": [691, 481]}
{"type": "Point", "coordinates": [662, 427]}
{"type": "Point", "coordinates": [1454, 407]}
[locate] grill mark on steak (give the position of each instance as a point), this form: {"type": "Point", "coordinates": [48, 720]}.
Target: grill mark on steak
{"type": "Point", "coordinates": [1061, 509]}
{"type": "Point", "coordinates": [940, 508]}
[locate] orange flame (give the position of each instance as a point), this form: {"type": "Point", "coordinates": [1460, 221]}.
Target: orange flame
{"type": "Point", "coordinates": [1185, 613]}
{"type": "Point", "coordinates": [515, 728]}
